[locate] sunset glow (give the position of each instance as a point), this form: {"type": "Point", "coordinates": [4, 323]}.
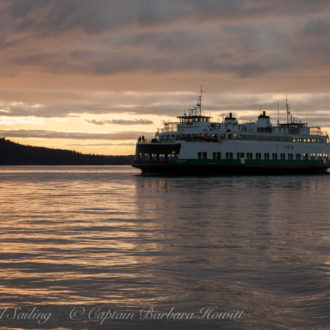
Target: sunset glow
{"type": "Point", "coordinates": [94, 76]}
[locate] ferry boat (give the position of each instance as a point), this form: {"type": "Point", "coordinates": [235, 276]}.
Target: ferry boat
{"type": "Point", "coordinates": [195, 145]}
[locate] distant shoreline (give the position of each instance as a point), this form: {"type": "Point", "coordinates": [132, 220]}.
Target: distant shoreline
{"type": "Point", "coordinates": [12, 153]}
{"type": "Point", "coordinates": [3, 165]}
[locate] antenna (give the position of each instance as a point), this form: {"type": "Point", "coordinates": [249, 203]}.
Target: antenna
{"type": "Point", "coordinates": [199, 100]}
{"type": "Point", "coordinates": [287, 109]}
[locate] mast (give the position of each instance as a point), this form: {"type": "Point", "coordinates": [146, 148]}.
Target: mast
{"type": "Point", "coordinates": [199, 101]}
{"type": "Point", "coordinates": [287, 109]}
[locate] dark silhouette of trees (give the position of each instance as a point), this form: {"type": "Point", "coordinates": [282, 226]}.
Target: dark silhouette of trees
{"type": "Point", "coordinates": [12, 153]}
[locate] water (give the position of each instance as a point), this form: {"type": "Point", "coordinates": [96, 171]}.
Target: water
{"type": "Point", "coordinates": [104, 238]}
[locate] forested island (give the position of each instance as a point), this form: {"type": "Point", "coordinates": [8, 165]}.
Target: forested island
{"type": "Point", "coordinates": [12, 153]}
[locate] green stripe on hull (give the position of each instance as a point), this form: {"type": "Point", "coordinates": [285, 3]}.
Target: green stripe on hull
{"type": "Point", "coordinates": [192, 162]}
{"type": "Point", "coordinates": [254, 162]}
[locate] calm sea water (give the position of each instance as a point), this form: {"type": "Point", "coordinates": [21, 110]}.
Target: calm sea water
{"type": "Point", "coordinates": [78, 242]}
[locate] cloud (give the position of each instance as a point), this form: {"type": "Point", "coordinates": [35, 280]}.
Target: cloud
{"type": "Point", "coordinates": [226, 39]}
{"type": "Point", "coordinates": [67, 58]}
{"type": "Point", "coordinates": [120, 122]}
{"type": "Point", "coordinates": [101, 145]}
{"type": "Point", "coordinates": [71, 135]}
{"type": "Point", "coordinates": [63, 104]}
{"type": "Point", "coordinates": [157, 104]}
{"type": "Point", "coordinates": [58, 16]}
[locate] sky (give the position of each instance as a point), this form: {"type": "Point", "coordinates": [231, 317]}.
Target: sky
{"type": "Point", "coordinates": [93, 76]}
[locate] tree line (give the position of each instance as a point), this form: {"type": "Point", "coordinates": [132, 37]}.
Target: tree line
{"type": "Point", "coordinates": [12, 153]}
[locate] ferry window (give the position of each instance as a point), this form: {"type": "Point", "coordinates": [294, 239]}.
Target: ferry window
{"type": "Point", "coordinates": [282, 156]}
{"type": "Point", "coordinates": [290, 156]}
{"type": "Point", "coordinates": [305, 156]}
{"type": "Point", "coordinates": [274, 156]}
{"type": "Point", "coordinates": [204, 155]}
{"type": "Point", "coordinates": [266, 156]}
{"type": "Point", "coordinates": [249, 155]}
{"type": "Point", "coordinates": [218, 155]}
{"type": "Point", "coordinates": [240, 155]}
{"type": "Point", "coordinates": [199, 155]}
{"type": "Point", "coordinates": [258, 155]}
{"type": "Point", "coordinates": [298, 156]}
{"type": "Point", "coordinates": [229, 155]}
{"type": "Point", "coordinates": [214, 155]}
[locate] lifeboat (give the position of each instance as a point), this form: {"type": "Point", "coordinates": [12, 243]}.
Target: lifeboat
{"type": "Point", "coordinates": [207, 138]}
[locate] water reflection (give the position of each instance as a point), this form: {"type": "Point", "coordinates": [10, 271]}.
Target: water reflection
{"type": "Point", "coordinates": [253, 238]}
{"type": "Point", "coordinates": [77, 235]}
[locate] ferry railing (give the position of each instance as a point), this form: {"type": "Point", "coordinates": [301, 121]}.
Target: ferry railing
{"type": "Point", "coordinates": [169, 127]}
{"type": "Point", "coordinates": [317, 131]}
{"type": "Point", "coordinates": [249, 137]}
{"type": "Point", "coordinates": [147, 140]}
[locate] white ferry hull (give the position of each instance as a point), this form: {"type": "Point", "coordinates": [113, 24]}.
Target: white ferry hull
{"type": "Point", "coordinates": [198, 146]}
{"type": "Point", "coordinates": [184, 164]}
